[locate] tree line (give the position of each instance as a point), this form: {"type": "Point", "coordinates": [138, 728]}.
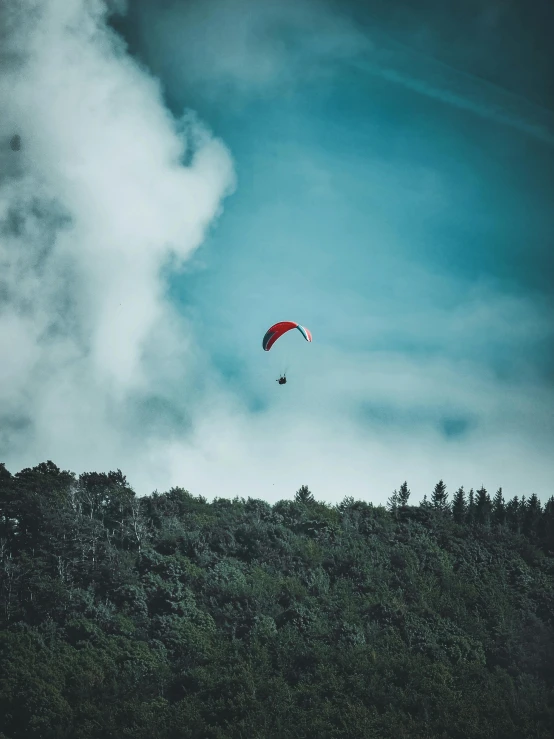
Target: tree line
{"type": "Point", "coordinates": [168, 617]}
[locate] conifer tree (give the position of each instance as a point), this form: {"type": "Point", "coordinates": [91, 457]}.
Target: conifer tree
{"type": "Point", "coordinates": [521, 512]}
{"type": "Point", "coordinates": [532, 516]}
{"type": "Point", "coordinates": [498, 508]}
{"type": "Point", "coordinates": [459, 506]}
{"type": "Point", "coordinates": [483, 507]}
{"type": "Point", "coordinates": [548, 524]}
{"type": "Point", "coordinates": [512, 514]}
{"type": "Point", "coordinates": [393, 501]}
{"type": "Point", "coordinates": [303, 495]}
{"type": "Point", "coordinates": [403, 494]}
{"type": "Point", "coordinates": [470, 515]}
{"type": "Point", "coordinates": [439, 496]}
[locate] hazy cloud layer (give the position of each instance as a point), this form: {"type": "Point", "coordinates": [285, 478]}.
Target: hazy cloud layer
{"type": "Point", "coordinates": [241, 46]}
{"type": "Point", "coordinates": [238, 47]}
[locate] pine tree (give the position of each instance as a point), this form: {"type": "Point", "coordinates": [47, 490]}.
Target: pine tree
{"type": "Point", "coordinates": [470, 515]}
{"type": "Point", "coordinates": [532, 516]}
{"type": "Point", "coordinates": [459, 506]}
{"type": "Point", "coordinates": [483, 507]}
{"type": "Point", "coordinates": [512, 514]}
{"type": "Point", "coordinates": [393, 501]}
{"type": "Point", "coordinates": [403, 494]}
{"type": "Point", "coordinates": [439, 496]}
{"type": "Point", "coordinates": [548, 524]}
{"type": "Point", "coordinates": [498, 508]}
{"type": "Point", "coordinates": [303, 495]}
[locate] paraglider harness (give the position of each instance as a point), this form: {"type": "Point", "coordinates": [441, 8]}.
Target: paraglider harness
{"type": "Point", "coordinates": [282, 380]}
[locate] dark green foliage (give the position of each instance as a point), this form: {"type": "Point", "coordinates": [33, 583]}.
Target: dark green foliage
{"type": "Point", "coordinates": [166, 617]}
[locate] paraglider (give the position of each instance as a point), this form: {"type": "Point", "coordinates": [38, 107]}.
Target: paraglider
{"type": "Point", "coordinates": [275, 332]}
{"type": "Point", "coordinates": [278, 329]}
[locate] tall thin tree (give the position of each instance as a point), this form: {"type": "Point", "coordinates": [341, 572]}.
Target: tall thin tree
{"type": "Point", "coordinates": [459, 505]}
{"type": "Point", "coordinates": [439, 496]}
{"type": "Point", "coordinates": [483, 507]}
{"type": "Point", "coordinates": [498, 508]}
{"type": "Point", "coordinates": [403, 494]}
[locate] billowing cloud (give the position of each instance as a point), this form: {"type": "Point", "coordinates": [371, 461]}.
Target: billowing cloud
{"type": "Point", "coordinates": [92, 206]}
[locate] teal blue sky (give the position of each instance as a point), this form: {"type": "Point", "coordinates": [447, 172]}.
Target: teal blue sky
{"type": "Point", "coordinates": [395, 175]}
{"type": "Point", "coordinates": [393, 188]}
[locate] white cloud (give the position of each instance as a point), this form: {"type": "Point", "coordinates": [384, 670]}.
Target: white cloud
{"type": "Point", "coordinates": [309, 434]}
{"type": "Point", "coordinates": [96, 202]}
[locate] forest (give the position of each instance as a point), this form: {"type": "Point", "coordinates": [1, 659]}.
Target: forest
{"type": "Point", "coordinates": [171, 617]}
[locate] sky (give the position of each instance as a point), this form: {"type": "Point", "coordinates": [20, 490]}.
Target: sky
{"type": "Point", "coordinates": [190, 173]}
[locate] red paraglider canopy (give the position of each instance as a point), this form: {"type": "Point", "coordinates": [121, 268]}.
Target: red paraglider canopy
{"type": "Point", "coordinates": [278, 329]}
